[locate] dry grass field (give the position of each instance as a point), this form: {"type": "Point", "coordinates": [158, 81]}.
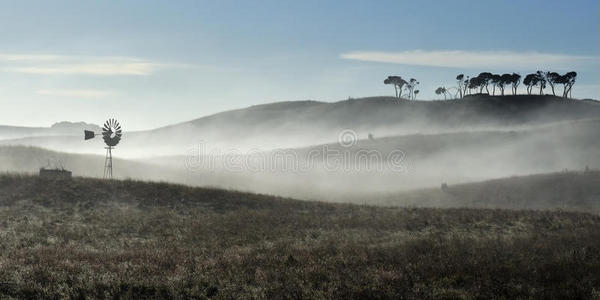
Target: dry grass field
{"type": "Point", "coordinates": [88, 238]}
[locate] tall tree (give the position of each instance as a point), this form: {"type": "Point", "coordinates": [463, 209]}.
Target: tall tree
{"type": "Point", "coordinates": [570, 78]}
{"type": "Point", "coordinates": [412, 83]}
{"type": "Point", "coordinates": [441, 91]}
{"type": "Point", "coordinates": [484, 80]}
{"type": "Point", "coordinates": [416, 93]}
{"type": "Point", "coordinates": [530, 81]}
{"type": "Point", "coordinates": [477, 83]}
{"type": "Point", "coordinates": [398, 83]}
{"type": "Point", "coordinates": [495, 80]}
{"type": "Point", "coordinates": [552, 78]}
{"type": "Point", "coordinates": [466, 86]}
{"type": "Point", "coordinates": [541, 81]}
{"type": "Point", "coordinates": [459, 80]}
{"type": "Point", "coordinates": [390, 80]}
{"type": "Point", "coordinates": [562, 79]}
{"type": "Point", "coordinates": [515, 81]}
{"type": "Point", "coordinates": [505, 79]}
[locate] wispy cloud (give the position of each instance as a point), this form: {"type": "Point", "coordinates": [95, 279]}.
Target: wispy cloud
{"type": "Point", "coordinates": [85, 93]}
{"type": "Point", "coordinates": [28, 57]}
{"type": "Point", "coordinates": [473, 59]}
{"type": "Point", "coordinates": [87, 65]}
{"type": "Point", "coordinates": [90, 69]}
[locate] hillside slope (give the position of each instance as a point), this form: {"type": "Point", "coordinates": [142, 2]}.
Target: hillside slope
{"type": "Point", "coordinates": [302, 123]}
{"type": "Point", "coordinates": [29, 160]}
{"type": "Point", "coordinates": [293, 124]}
{"type": "Point", "coordinates": [87, 238]}
{"type": "Point", "coordinates": [313, 173]}
{"type": "Point", "coordinates": [578, 191]}
{"type": "Point", "coordinates": [339, 173]}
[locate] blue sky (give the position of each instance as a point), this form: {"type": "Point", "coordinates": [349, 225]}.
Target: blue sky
{"type": "Point", "coordinates": [153, 63]}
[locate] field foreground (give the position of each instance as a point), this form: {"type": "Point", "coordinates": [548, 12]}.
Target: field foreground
{"type": "Point", "coordinates": [98, 239]}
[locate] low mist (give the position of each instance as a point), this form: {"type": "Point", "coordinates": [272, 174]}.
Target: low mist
{"type": "Point", "coordinates": [341, 151]}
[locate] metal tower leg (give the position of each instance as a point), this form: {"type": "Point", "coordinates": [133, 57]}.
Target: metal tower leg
{"type": "Point", "coordinates": [108, 163]}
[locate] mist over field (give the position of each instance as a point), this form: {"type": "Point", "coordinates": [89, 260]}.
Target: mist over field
{"type": "Point", "coordinates": [360, 146]}
{"type": "Point", "coordinates": [298, 124]}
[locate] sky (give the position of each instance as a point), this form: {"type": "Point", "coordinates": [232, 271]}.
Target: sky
{"type": "Point", "coordinates": [154, 63]}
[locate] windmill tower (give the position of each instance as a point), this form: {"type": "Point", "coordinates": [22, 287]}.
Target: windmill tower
{"type": "Point", "coordinates": [111, 134]}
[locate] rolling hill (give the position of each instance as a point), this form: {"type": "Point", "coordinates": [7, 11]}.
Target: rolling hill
{"type": "Point", "coordinates": [88, 238]}
{"type": "Point", "coordinates": [455, 141]}
{"type": "Point", "coordinates": [337, 173]}
{"type": "Point", "coordinates": [314, 173]}
{"type": "Point", "coordinates": [302, 123]}
{"type": "Point", "coordinates": [570, 190]}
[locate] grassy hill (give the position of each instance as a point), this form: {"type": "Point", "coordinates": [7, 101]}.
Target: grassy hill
{"type": "Point", "coordinates": [299, 123]}
{"type": "Point", "coordinates": [131, 239]}
{"type": "Point", "coordinates": [385, 111]}
{"type": "Point", "coordinates": [579, 191]}
{"type": "Point", "coordinates": [302, 123]}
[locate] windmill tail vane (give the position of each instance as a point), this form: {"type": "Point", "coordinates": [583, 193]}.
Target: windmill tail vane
{"type": "Point", "coordinates": [89, 134]}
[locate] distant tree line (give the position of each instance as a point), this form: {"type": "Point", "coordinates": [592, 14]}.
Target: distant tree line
{"type": "Point", "coordinates": [404, 89]}
{"type": "Point", "coordinates": [539, 79]}
{"type": "Point", "coordinates": [486, 80]}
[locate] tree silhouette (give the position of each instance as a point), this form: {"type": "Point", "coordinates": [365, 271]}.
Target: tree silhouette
{"type": "Point", "coordinates": [478, 82]}
{"type": "Point", "coordinates": [441, 90]}
{"type": "Point", "coordinates": [515, 81]}
{"type": "Point", "coordinates": [569, 80]}
{"type": "Point", "coordinates": [398, 83]}
{"type": "Point", "coordinates": [541, 81]}
{"type": "Point", "coordinates": [552, 78]}
{"type": "Point", "coordinates": [530, 81]}
{"type": "Point", "coordinates": [466, 86]}
{"type": "Point", "coordinates": [495, 81]}
{"type": "Point", "coordinates": [416, 93]}
{"type": "Point", "coordinates": [485, 78]}
{"type": "Point", "coordinates": [459, 79]}
{"type": "Point", "coordinates": [473, 83]}
{"type": "Point", "coordinates": [390, 80]}
{"type": "Point", "coordinates": [505, 79]}
{"type": "Point", "coordinates": [410, 86]}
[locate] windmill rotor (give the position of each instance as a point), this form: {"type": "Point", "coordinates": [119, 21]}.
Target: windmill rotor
{"type": "Point", "coordinates": [111, 132]}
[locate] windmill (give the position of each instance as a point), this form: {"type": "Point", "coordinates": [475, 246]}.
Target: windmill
{"type": "Point", "coordinates": [111, 134]}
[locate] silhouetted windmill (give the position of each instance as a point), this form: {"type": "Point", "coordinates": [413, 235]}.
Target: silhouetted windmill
{"type": "Point", "coordinates": [111, 134]}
